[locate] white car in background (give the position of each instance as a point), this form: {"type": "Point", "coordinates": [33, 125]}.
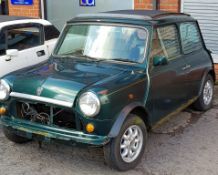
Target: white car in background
{"type": "Point", "coordinates": [24, 42]}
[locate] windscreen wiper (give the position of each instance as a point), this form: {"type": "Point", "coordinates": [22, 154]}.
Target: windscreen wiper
{"type": "Point", "coordinates": [89, 57]}
{"type": "Point", "coordinates": [122, 60]}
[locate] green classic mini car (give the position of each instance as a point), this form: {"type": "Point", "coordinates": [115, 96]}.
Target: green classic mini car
{"type": "Point", "coordinates": [111, 78]}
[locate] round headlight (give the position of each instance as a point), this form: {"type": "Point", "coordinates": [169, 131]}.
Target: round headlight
{"type": "Point", "coordinates": [89, 104]}
{"type": "Point", "coordinates": [4, 90]}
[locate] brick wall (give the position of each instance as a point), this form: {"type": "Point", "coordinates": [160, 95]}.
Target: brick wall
{"type": "Point", "coordinates": [170, 5]}
{"type": "Point", "coordinates": [25, 10]}
{"type": "Point", "coordinates": [34, 10]}
{"type": "Point", "coordinates": [143, 4]}
{"type": "Point", "coordinates": [216, 71]}
{"type": "Point", "coordinates": [167, 5]}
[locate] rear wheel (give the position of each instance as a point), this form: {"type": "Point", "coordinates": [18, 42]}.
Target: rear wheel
{"type": "Point", "coordinates": [126, 150]}
{"type": "Point", "coordinates": [205, 99]}
{"type": "Point", "coordinates": [9, 133]}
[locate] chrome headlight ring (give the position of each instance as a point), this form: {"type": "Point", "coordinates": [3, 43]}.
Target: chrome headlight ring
{"type": "Point", "coordinates": [89, 104]}
{"type": "Point", "coordinates": [4, 90]}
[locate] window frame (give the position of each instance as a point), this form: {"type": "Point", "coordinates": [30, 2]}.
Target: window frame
{"type": "Point", "coordinates": [51, 32]}
{"type": "Point", "coordinates": [17, 26]}
{"type": "Point", "coordinates": [2, 33]}
{"type": "Point", "coordinates": [199, 35]}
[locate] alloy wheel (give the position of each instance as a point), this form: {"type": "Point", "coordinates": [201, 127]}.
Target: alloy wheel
{"type": "Point", "coordinates": [131, 143]}
{"type": "Point", "coordinates": [208, 92]}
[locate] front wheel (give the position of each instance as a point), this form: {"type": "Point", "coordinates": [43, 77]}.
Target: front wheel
{"type": "Point", "coordinates": [10, 135]}
{"type": "Point", "coordinates": [205, 99]}
{"type": "Point", "coordinates": [126, 150]}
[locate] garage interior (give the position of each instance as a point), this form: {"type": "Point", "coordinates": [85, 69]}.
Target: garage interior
{"type": "Point", "coordinates": [3, 7]}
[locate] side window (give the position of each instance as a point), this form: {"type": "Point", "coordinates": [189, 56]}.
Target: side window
{"type": "Point", "coordinates": [23, 38]}
{"type": "Point", "coordinates": [169, 41]}
{"type": "Point", "coordinates": [2, 44]}
{"type": "Point", "coordinates": [51, 32]}
{"type": "Point", "coordinates": [190, 37]}
{"type": "Point", "coordinates": [166, 42]}
{"type": "Point", "coordinates": [157, 49]}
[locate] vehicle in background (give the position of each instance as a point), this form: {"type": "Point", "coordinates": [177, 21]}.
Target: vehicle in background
{"type": "Point", "coordinates": [24, 42]}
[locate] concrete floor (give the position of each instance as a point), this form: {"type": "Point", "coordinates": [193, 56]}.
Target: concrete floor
{"type": "Point", "coordinates": [187, 144]}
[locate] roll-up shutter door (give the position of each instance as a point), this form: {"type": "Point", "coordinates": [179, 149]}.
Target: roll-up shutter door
{"type": "Point", "coordinates": [206, 12]}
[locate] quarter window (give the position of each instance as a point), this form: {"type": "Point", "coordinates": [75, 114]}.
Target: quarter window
{"type": "Point", "coordinates": [190, 37]}
{"type": "Point", "coordinates": [23, 38]}
{"type": "Point", "coordinates": [51, 32]}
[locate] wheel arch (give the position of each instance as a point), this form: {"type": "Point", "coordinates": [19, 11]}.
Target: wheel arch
{"type": "Point", "coordinates": [212, 73]}
{"type": "Point", "coordinates": [206, 73]}
{"type": "Point", "coordinates": [143, 114]}
{"type": "Point", "coordinates": [133, 108]}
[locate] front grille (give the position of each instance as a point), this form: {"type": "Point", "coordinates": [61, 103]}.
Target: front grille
{"type": "Point", "coordinates": [48, 115]}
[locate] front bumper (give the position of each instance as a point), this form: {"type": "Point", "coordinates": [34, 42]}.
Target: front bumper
{"type": "Point", "coordinates": [53, 132]}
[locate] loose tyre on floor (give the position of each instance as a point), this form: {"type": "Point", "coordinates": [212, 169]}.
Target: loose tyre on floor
{"type": "Point", "coordinates": [126, 150]}
{"type": "Point", "coordinates": [205, 99]}
{"type": "Point", "coordinates": [8, 132]}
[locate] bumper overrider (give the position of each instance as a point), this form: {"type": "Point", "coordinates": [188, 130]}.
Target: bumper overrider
{"type": "Point", "coordinates": [31, 129]}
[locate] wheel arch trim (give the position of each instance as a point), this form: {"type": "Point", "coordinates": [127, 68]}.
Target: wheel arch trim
{"type": "Point", "coordinates": [206, 73]}
{"type": "Point", "coordinates": [122, 116]}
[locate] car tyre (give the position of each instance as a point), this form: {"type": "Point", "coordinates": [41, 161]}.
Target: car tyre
{"type": "Point", "coordinates": [10, 135]}
{"type": "Point", "coordinates": [132, 136]}
{"type": "Point", "coordinates": [205, 99]}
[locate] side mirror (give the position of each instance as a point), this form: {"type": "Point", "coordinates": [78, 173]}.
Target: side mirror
{"type": "Point", "coordinates": [11, 53]}
{"type": "Point", "coordinates": [159, 60]}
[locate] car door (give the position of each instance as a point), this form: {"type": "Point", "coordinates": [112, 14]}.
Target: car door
{"type": "Point", "coordinates": [168, 90]}
{"type": "Point", "coordinates": [28, 41]}
{"type": "Point", "coordinates": [196, 56]}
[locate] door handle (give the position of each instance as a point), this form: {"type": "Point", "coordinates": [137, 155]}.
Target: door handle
{"type": "Point", "coordinates": [8, 58]}
{"type": "Point", "coordinates": [187, 66]}
{"type": "Point", "coordinates": [40, 53]}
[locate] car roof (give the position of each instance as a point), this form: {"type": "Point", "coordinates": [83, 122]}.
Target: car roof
{"type": "Point", "coordinates": [6, 20]}
{"type": "Point", "coordinates": [147, 15]}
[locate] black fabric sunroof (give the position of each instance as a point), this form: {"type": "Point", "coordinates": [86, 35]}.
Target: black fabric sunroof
{"type": "Point", "coordinates": [5, 18]}
{"type": "Point", "coordinates": [157, 15]}
{"type": "Point", "coordinates": [150, 13]}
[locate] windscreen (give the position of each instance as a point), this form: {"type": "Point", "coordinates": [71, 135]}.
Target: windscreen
{"type": "Point", "coordinates": [104, 42]}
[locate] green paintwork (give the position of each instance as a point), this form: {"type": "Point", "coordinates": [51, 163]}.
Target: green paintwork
{"type": "Point", "coordinates": [121, 87]}
{"type": "Point", "coordinates": [66, 84]}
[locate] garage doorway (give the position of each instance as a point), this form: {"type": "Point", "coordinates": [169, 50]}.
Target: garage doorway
{"type": "Point", "coordinates": [3, 7]}
{"type": "Point", "coordinates": [58, 12]}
